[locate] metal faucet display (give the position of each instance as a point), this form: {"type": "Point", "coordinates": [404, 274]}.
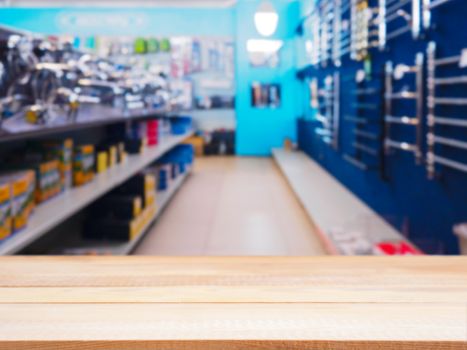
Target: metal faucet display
{"type": "Point", "coordinates": [435, 103]}
{"type": "Point", "coordinates": [366, 136]}
{"type": "Point", "coordinates": [394, 74]}
{"type": "Point", "coordinates": [41, 81]}
{"type": "Point", "coordinates": [326, 102]}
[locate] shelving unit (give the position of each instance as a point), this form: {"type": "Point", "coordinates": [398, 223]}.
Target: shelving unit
{"type": "Point", "coordinates": [365, 121]}
{"type": "Point", "coordinates": [55, 211]}
{"type": "Point", "coordinates": [125, 248]}
{"type": "Point", "coordinates": [329, 204]}
{"type": "Point", "coordinates": [86, 123]}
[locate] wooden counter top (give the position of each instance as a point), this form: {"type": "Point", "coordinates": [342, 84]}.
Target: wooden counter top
{"type": "Point", "coordinates": [233, 303]}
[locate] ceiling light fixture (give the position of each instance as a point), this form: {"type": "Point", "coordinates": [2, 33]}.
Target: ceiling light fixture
{"type": "Point", "coordinates": [266, 19]}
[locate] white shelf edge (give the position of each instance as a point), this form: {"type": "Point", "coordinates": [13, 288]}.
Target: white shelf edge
{"type": "Point", "coordinates": [53, 212]}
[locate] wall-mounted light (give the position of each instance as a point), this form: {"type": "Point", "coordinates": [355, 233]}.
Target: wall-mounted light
{"type": "Point", "coordinates": [266, 19]}
{"type": "Point", "coordinates": [263, 45]}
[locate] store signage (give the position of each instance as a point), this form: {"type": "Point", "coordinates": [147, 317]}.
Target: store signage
{"type": "Point", "coordinates": [76, 21]}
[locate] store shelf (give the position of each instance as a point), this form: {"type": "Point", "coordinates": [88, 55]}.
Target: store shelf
{"type": "Point", "coordinates": [329, 204]}
{"type": "Point", "coordinates": [85, 121]}
{"type": "Point", "coordinates": [125, 248]}
{"type": "Point", "coordinates": [50, 214]}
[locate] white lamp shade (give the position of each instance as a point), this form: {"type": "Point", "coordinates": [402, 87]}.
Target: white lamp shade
{"type": "Point", "coordinates": [266, 19]}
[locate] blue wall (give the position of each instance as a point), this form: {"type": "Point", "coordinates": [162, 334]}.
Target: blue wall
{"type": "Point", "coordinates": [400, 191]}
{"type": "Point", "coordinates": [259, 130]}
{"type": "Point", "coordinates": [121, 21]}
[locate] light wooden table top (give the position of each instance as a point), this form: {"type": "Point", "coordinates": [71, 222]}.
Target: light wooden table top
{"type": "Point", "coordinates": [233, 303]}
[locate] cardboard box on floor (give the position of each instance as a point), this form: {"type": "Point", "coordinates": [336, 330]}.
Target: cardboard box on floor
{"type": "Point", "coordinates": [198, 144]}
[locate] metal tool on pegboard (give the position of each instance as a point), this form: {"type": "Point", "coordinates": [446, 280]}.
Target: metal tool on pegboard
{"type": "Point", "coordinates": [427, 7]}
{"type": "Point", "coordinates": [366, 144]}
{"type": "Point", "coordinates": [397, 18]}
{"type": "Point", "coordinates": [326, 101]}
{"type": "Point", "coordinates": [436, 102]}
{"type": "Point", "coordinates": [416, 95]}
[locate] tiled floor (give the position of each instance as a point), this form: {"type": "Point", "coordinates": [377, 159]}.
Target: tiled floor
{"type": "Point", "coordinates": [233, 206]}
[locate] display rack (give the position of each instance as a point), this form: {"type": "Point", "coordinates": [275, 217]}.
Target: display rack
{"type": "Point", "coordinates": [366, 134]}
{"type": "Point", "coordinates": [438, 102]}
{"type": "Point", "coordinates": [125, 248]}
{"type": "Point", "coordinates": [50, 214]}
{"type": "Point", "coordinates": [416, 95]}
{"type": "Point", "coordinates": [427, 7]}
{"type": "Point", "coordinates": [90, 121]}
{"type": "Point", "coordinates": [397, 18]}
{"type": "Point", "coordinates": [327, 104]}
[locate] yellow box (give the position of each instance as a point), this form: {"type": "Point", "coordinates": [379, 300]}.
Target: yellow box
{"type": "Point", "coordinates": [6, 217]}
{"type": "Point", "coordinates": [83, 165]}
{"type": "Point", "coordinates": [112, 156]}
{"type": "Point", "coordinates": [198, 144]}
{"type": "Point", "coordinates": [149, 183]}
{"type": "Point", "coordinates": [102, 161]}
{"type": "Point", "coordinates": [22, 185]}
{"type": "Point", "coordinates": [150, 198]}
{"type": "Point", "coordinates": [137, 206]}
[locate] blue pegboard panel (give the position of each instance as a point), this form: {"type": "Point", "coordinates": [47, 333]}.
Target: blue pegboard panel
{"type": "Point", "coordinates": [420, 199]}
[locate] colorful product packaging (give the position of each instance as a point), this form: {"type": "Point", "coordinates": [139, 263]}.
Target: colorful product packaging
{"type": "Point", "coordinates": [83, 165]}
{"type": "Point", "coordinates": [63, 151]}
{"type": "Point", "coordinates": [22, 185]}
{"type": "Point", "coordinates": [6, 218]}
{"type": "Point", "coordinates": [48, 180]}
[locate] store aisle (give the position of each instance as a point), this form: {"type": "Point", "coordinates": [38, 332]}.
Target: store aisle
{"type": "Point", "coordinates": [233, 206]}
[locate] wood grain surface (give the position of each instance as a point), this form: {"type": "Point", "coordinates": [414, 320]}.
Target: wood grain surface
{"type": "Point", "coordinates": [233, 303]}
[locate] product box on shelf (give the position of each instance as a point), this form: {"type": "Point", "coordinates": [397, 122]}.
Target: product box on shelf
{"type": "Point", "coordinates": [83, 164]}
{"type": "Point", "coordinates": [63, 151]}
{"type": "Point", "coordinates": [111, 150]}
{"type": "Point", "coordinates": [143, 184]}
{"type": "Point", "coordinates": [102, 162]}
{"type": "Point", "coordinates": [134, 146]}
{"type": "Point", "coordinates": [46, 173]}
{"type": "Point", "coordinates": [121, 153]}
{"type": "Point", "coordinates": [118, 206]}
{"type": "Point", "coordinates": [112, 228]}
{"type": "Point", "coordinates": [181, 125]}
{"type": "Point", "coordinates": [22, 186]}
{"type": "Point", "coordinates": [152, 132]}
{"type": "Point", "coordinates": [48, 180]}
{"type": "Point", "coordinates": [6, 217]}
{"type": "Point", "coordinates": [164, 176]}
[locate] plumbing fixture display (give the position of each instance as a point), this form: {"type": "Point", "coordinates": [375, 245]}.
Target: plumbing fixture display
{"type": "Point", "coordinates": [396, 76]}
{"type": "Point", "coordinates": [46, 83]}
{"type": "Point", "coordinates": [327, 104]}
{"type": "Point", "coordinates": [364, 30]}
{"type": "Point", "coordinates": [355, 27]}
{"type": "Point", "coordinates": [365, 123]}
{"type": "Point", "coordinates": [427, 7]}
{"type": "Point", "coordinates": [446, 94]}
{"type": "Point", "coordinates": [397, 18]}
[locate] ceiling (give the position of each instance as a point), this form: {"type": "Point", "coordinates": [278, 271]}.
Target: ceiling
{"type": "Point", "coordinates": [118, 3]}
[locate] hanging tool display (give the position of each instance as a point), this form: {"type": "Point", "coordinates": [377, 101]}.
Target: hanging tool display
{"type": "Point", "coordinates": [366, 130]}
{"type": "Point", "coordinates": [391, 97]}
{"type": "Point", "coordinates": [397, 18]}
{"type": "Point", "coordinates": [326, 102]}
{"type": "Point", "coordinates": [427, 7]}
{"type": "Point", "coordinates": [364, 29]}
{"type": "Point", "coordinates": [438, 101]}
